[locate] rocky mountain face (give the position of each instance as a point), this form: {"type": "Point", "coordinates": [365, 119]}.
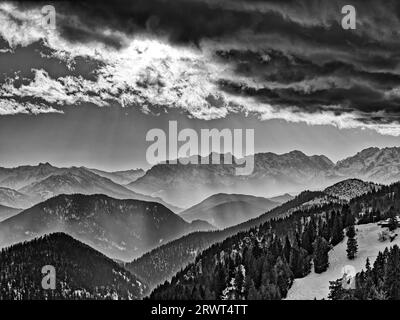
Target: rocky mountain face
{"type": "Point", "coordinates": [122, 229]}
{"type": "Point", "coordinates": [373, 164]}
{"type": "Point", "coordinates": [186, 185]}
{"type": "Point", "coordinates": [81, 272]}
{"type": "Point", "coordinates": [225, 210]}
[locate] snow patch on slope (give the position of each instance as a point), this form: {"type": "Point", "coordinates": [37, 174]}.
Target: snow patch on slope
{"type": "Point", "coordinates": [317, 285]}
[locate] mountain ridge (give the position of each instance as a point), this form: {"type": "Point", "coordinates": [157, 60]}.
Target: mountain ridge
{"type": "Point", "coordinates": [39, 183]}
{"type": "Point", "coordinates": [122, 229]}
{"type": "Point", "coordinates": [186, 185]}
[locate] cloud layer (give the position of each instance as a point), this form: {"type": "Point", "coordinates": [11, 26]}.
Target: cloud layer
{"type": "Point", "coordinates": [289, 60]}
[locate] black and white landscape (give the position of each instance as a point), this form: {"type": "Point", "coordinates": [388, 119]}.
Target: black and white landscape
{"type": "Point", "coordinates": [305, 94]}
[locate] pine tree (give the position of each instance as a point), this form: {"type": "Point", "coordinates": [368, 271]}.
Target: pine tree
{"type": "Point", "coordinates": [392, 274]}
{"type": "Point", "coordinates": [379, 268]}
{"type": "Point", "coordinates": [392, 224]}
{"type": "Point", "coordinates": [348, 218]}
{"type": "Point", "coordinates": [284, 276]}
{"type": "Point", "coordinates": [351, 231]}
{"type": "Point", "coordinates": [368, 266]}
{"type": "Point", "coordinates": [239, 281]}
{"type": "Point", "coordinates": [220, 284]}
{"type": "Point", "coordinates": [336, 290]}
{"type": "Point", "coordinates": [287, 249]}
{"type": "Point", "coordinates": [325, 232]}
{"type": "Point", "coordinates": [321, 258]}
{"type": "Point", "coordinates": [307, 239]}
{"type": "Point", "coordinates": [337, 230]}
{"type": "Point", "coordinates": [252, 293]}
{"type": "Point", "coordinates": [352, 246]}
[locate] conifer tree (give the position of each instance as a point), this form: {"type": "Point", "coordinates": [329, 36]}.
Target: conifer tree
{"type": "Point", "coordinates": [253, 293]}
{"type": "Point", "coordinates": [337, 230]}
{"type": "Point", "coordinates": [239, 282]}
{"type": "Point", "coordinates": [287, 249]}
{"type": "Point", "coordinates": [307, 241]}
{"type": "Point", "coordinates": [220, 280]}
{"type": "Point", "coordinates": [392, 272]}
{"type": "Point", "coordinates": [321, 258]}
{"type": "Point", "coordinates": [352, 246]}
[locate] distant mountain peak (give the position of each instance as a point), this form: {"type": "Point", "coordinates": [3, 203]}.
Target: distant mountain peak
{"type": "Point", "coordinates": [45, 164]}
{"type": "Point", "coordinates": [297, 153]}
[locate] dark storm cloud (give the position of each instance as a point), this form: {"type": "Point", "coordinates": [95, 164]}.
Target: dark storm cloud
{"type": "Point", "coordinates": [296, 52]}
{"type": "Point", "coordinates": [364, 93]}
{"type": "Point", "coordinates": [22, 61]}
{"type": "Point", "coordinates": [194, 20]}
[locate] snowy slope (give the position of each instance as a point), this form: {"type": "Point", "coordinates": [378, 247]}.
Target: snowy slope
{"type": "Point", "coordinates": [317, 285]}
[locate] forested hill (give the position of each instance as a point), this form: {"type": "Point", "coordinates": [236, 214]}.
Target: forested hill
{"type": "Point", "coordinates": [165, 261]}
{"type": "Point", "coordinates": [121, 229]}
{"type": "Point", "coordinates": [81, 272]}
{"type": "Point", "coordinates": [261, 263]}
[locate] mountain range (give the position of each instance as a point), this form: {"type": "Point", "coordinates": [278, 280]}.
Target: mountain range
{"type": "Point", "coordinates": [34, 184]}
{"type": "Point", "coordinates": [182, 186]}
{"type": "Point", "coordinates": [121, 177]}
{"type": "Point", "coordinates": [122, 229]}
{"type": "Point", "coordinates": [187, 185]}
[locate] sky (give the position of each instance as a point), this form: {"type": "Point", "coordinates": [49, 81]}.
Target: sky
{"type": "Point", "coordinates": [88, 91]}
